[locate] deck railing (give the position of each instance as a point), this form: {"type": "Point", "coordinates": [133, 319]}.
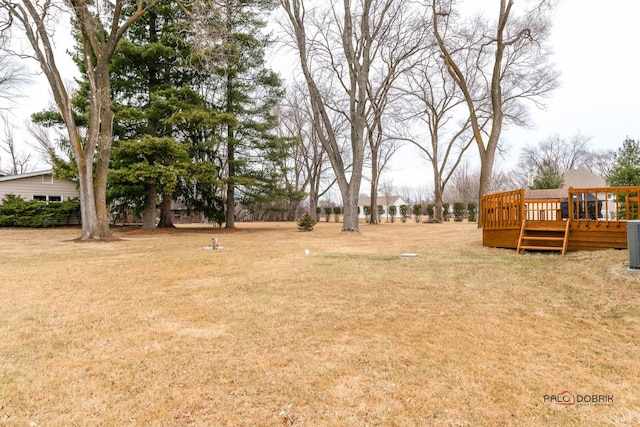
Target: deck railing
{"type": "Point", "coordinates": [502, 210]}
{"type": "Point", "coordinates": [601, 204]}
{"type": "Point", "coordinates": [543, 209]}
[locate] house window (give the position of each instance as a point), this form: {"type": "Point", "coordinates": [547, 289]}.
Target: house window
{"type": "Point", "coordinates": [47, 179]}
{"type": "Point", "coordinates": [42, 198]}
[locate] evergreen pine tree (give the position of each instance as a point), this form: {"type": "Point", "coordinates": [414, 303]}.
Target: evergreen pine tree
{"type": "Point", "coordinates": [626, 169]}
{"type": "Point", "coordinates": [306, 222]}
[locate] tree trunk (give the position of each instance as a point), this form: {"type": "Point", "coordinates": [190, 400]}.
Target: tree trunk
{"type": "Point", "coordinates": [104, 148]}
{"type": "Point", "coordinates": [87, 201]}
{"type": "Point", "coordinates": [350, 208]}
{"type": "Point", "coordinates": [166, 216]}
{"type": "Point", "coordinates": [373, 218]}
{"type": "Point", "coordinates": [374, 190]}
{"type": "Point", "coordinates": [231, 192]}
{"type": "Point", "coordinates": [150, 207]}
{"type": "Point", "coordinates": [437, 209]}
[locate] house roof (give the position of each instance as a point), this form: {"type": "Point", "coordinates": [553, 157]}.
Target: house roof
{"type": "Point", "coordinates": [553, 193]}
{"type": "Point", "coordinates": [582, 178]}
{"type": "Point", "coordinates": [26, 175]}
{"type": "Point", "coordinates": [382, 200]}
{"type": "Point", "coordinates": [576, 178]}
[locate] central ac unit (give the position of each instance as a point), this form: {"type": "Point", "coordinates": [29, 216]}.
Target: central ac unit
{"type": "Point", "coordinates": [633, 243]}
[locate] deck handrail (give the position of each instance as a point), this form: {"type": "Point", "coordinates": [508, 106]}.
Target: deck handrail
{"type": "Point", "coordinates": [543, 209]}
{"type": "Point", "coordinates": [502, 210]}
{"type": "Point", "coordinates": [604, 204]}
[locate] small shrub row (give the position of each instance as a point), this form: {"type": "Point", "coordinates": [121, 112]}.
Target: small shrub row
{"type": "Point", "coordinates": [16, 212]}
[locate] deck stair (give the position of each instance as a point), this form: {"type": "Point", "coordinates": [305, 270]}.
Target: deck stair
{"type": "Point", "coordinates": [551, 236]}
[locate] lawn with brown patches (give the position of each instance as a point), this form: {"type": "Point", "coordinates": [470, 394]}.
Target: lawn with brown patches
{"type": "Point", "coordinates": [152, 329]}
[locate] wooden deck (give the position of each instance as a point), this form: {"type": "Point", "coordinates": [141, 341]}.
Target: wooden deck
{"type": "Point", "coordinates": [597, 217]}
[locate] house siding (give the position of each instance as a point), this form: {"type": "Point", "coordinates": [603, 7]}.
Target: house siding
{"type": "Point", "coordinates": [385, 203]}
{"type": "Point", "coordinates": [28, 187]}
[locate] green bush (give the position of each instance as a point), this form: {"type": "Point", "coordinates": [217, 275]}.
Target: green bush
{"type": "Point", "coordinates": [404, 210]}
{"type": "Point", "coordinates": [16, 212]}
{"type": "Point", "coordinates": [327, 212]}
{"type": "Point", "coordinates": [430, 210]}
{"type": "Point", "coordinates": [306, 222]}
{"type": "Point", "coordinates": [458, 211]}
{"type": "Point", "coordinates": [336, 212]}
{"type": "Point", "coordinates": [472, 211]}
{"type": "Point", "coordinates": [393, 210]}
{"type": "Point", "coordinates": [417, 211]}
{"type": "Point", "coordinates": [445, 211]}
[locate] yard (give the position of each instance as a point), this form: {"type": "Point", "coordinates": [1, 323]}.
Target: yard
{"type": "Point", "coordinates": [152, 329]}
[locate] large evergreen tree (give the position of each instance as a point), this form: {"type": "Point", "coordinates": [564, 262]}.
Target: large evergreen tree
{"type": "Point", "coordinates": [150, 59]}
{"type": "Point", "coordinates": [156, 77]}
{"type": "Point", "coordinates": [240, 84]}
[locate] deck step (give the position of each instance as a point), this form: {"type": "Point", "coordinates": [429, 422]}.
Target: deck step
{"type": "Point", "coordinates": [552, 238]}
{"type": "Point", "coordinates": [549, 234]}
{"type": "Point", "coordinates": [546, 229]}
{"type": "Point", "coordinates": [541, 248]}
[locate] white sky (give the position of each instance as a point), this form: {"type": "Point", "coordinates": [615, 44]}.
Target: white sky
{"type": "Point", "coordinates": [595, 46]}
{"type": "Point", "coordinates": [595, 49]}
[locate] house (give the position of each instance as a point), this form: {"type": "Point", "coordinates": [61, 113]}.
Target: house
{"type": "Point", "coordinates": [383, 201]}
{"type": "Point", "coordinates": [547, 204]}
{"type": "Point", "coordinates": [40, 185]}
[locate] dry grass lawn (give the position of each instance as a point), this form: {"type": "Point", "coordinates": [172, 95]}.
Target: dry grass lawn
{"type": "Point", "coordinates": [154, 330]}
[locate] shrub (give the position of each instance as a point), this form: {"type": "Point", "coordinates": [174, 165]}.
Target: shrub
{"type": "Point", "coordinates": [445, 211]}
{"type": "Point", "coordinates": [306, 222]}
{"type": "Point", "coordinates": [417, 211]}
{"type": "Point", "coordinates": [404, 209]}
{"type": "Point", "coordinates": [16, 212]}
{"type": "Point", "coordinates": [327, 212]}
{"type": "Point", "coordinates": [393, 210]}
{"type": "Point", "coordinates": [430, 210]}
{"type": "Point", "coordinates": [336, 213]}
{"type": "Point", "coordinates": [471, 209]}
{"type": "Point", "coordinates": [318, 210]}
{"type": "Point", "coordinates": [367, 211]}
{"type": "Point", "coordinates": [458, 211]}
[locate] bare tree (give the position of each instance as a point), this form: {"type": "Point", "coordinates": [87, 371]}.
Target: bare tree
{"type": "Point", "coordinates": [464, 183]}
{"type": "Point", "coordinates": [339, 47]}
{"type": "Point", "coordinates": [408, 194]}
{"type": "Point", "coordinates": [310, 169]}
{"type": "Point", "coordinates": [509, 67]}
{"type": "Point", "coordinates": [603, 162]}
{"type": "Point", "coordinates": [44, 143]}
{"type": "Point", "coordinates": [560, 154]}
{"type": "Point", "coordinates": [403, 39]}
{"type": "Point", "coordinates": [19, 162]}
{"type": "Point", "coordinates": [12, 75]}
{"type": "Point", "coordinates": [434, 103]}
{"type": "Point", "coordinates": [100, 24]}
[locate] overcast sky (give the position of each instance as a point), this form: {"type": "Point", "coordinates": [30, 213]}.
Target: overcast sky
{"type": "Point", "coordinates": [595, 49]}
{"type": "Point", "coordinates": [595, 46]}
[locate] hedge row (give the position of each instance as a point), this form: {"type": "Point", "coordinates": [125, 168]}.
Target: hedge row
{"type": "Point", "coordinates": [16, 212]}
